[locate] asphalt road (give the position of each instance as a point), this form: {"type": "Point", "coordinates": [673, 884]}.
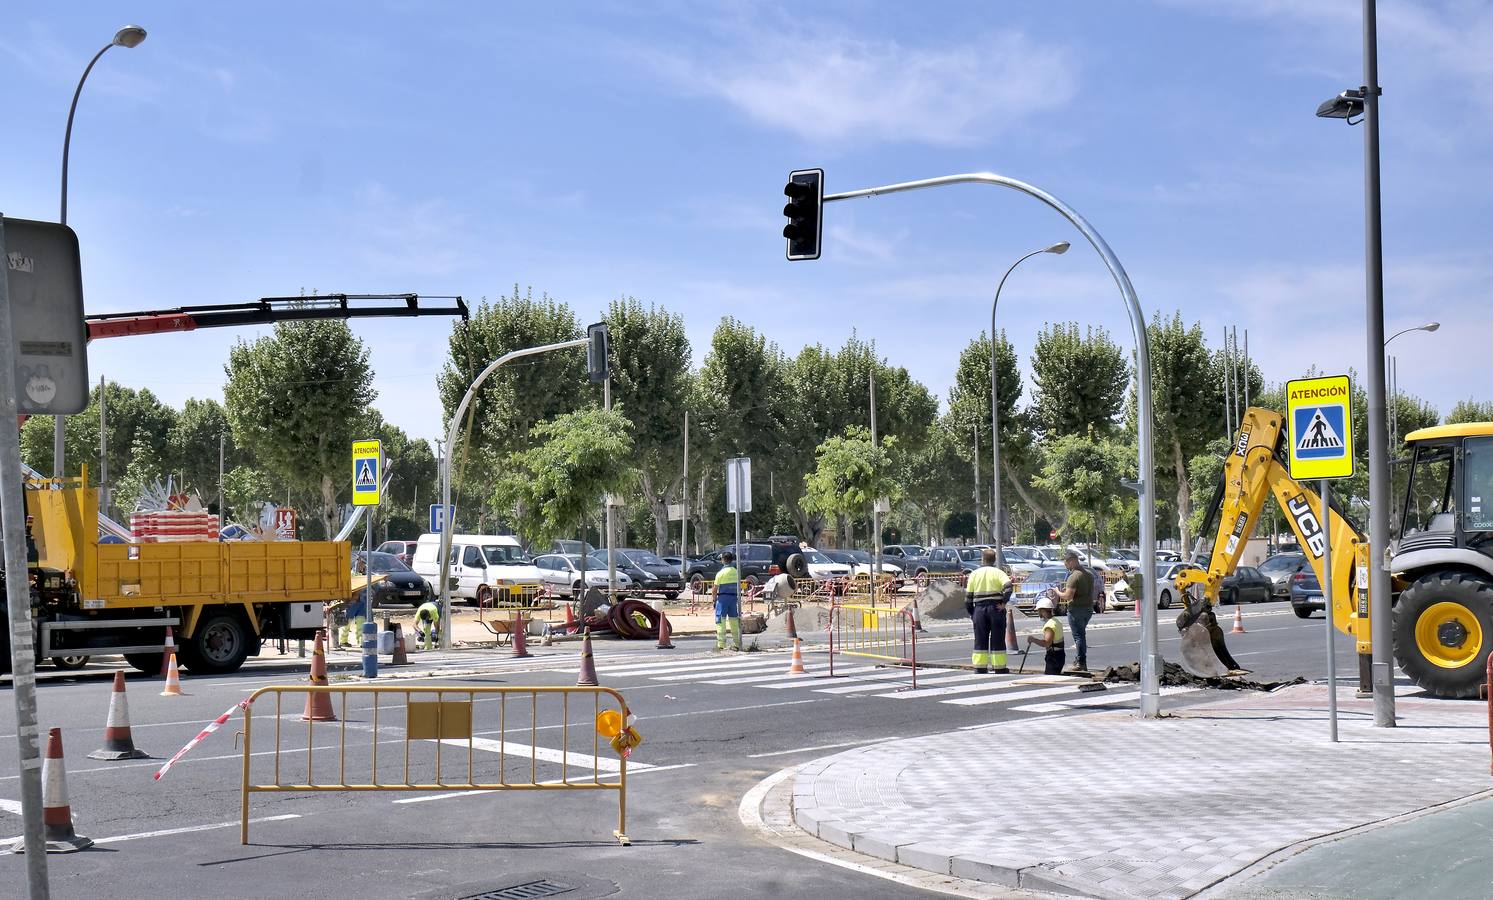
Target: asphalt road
{"type": "Point", "coordinates": [714, 725]}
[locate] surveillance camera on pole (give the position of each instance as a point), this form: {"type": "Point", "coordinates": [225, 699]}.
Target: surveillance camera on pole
{"type": "Point", "coordinates": [805, 207]}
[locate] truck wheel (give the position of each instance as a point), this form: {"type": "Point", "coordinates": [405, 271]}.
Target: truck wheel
{"type": "Point", "coordinates": [1443, 626]}
{"type": "Point", "coordinates": [149, 663]}
{"type": "Point", "coordinates": [220, 645]}
{"type": "Point", "coordinates": [70, 662]}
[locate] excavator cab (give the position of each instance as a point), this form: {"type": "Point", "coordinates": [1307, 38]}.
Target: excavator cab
{"type": "Point", "coordinates": [1442, 559]}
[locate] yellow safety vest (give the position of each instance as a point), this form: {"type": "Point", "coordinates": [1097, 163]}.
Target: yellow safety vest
{"type": "Point", "coordinates": [986, 583]}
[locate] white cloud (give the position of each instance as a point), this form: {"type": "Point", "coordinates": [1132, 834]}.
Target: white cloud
{"type": "Point", "coordinates": [835, 86]}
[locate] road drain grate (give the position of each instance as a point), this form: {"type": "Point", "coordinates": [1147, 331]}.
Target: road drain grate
{"type": "Point", "coordinates": [526, 891]}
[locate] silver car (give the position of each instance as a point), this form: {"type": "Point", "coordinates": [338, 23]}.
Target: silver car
{"type": "Point", "coordinates": [561, 572]}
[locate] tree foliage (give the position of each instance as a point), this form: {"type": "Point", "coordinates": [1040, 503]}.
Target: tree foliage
{"type": "Point", "coordinates": [561, 477]}
{"type": "Point", "coordinates": [850, 473]}
{"type": "Point", "coordinates": [1186, 397]}
{"type": "Point", "coordinates": [1085, 472]}
{"type": "Point", "coordinates": [1469, 411]}
{"type": "Point", "coordinates": [1080, 380]}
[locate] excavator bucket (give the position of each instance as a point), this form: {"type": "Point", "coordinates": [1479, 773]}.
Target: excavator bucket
{"type": "Point", "coordinates": [1198, 656]}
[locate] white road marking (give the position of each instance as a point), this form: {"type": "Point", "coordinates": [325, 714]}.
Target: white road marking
{"type": "Point", "coordinates": [167, 832]}
{"type": "Point", "coordinates": [697, 665]}
{"type": "Point", "coordinates": [1018, 695]}
{"type": "Point", "coordinates": [776, 678]}
{"type": "Point", "coordinates": [458, 794]}
{"type": "Point", "coordinates": [991, 683]}
{"type": "Point", "coordinates": [11, 806]}
{"type": "Point", "coordinates": [1100, 698]}
{"type": "Point", "coordinates": [936, 679]}
{"type": "Point", "coordinates": [572, 759]}
{"type": "Point", "coordinates": [820, 747]}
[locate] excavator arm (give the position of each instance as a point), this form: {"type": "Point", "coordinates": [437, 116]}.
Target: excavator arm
{"type": "Point", "coordinates": [1254, 471]}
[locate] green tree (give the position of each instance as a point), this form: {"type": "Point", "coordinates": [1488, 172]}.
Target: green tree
{"type": "Point", "coordinates": [1085, 472]}
{"type": "Point", "coordinates": [560, 479]}
{"type": "Point", "coordinates": [1080, 381]}
{"type": "Point", "coordinates": [1470, 411]}
{"type": "Point", "coordinates": [1185, 399]}
{"type": "Point", "coordinates": [850, 474]}
{"type": "Point", "coordinates": [297, 399]}
{"type": "Point", "coordinates": [928, 477]}
{"type": "Point", "coordinates": [650, 364]}
{"type": "Point", "coordinates": [243, 487]}
{"type": "Point", "coordinates": [135, 418]}
{"type": "Point", "coordinates": [192, 447]}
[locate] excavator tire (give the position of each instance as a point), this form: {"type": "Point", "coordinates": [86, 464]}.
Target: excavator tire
{"type": "Point", "coordinates": [1443, 630]}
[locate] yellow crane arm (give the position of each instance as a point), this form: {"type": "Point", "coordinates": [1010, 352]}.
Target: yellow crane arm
{"type": "Point", "coordinates": [1254, 470]}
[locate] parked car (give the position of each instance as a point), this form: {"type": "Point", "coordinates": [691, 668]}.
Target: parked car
{"type": "Point", "coordinates": [1279, 569]}
{"type": "Point", "coordinates": [1036, 586]}
{"type": "Point", "coordinates": [822, 567]}
{"type": "Point", "coordinates": [1168, 556]}
{"type": "Point", "coordinates": [700, 571]}
{"type": "Point", "coordinates": [571, 548]}
{"type": "Point", "coordinates": [1119, 595]}
{"type": "Point", "coordinates": [484, 567]}
{"type": "Point", "coordinates": [1306, 594]}
{"type": "Point", "coordinates": [1167, 594]}
{"type": "Point", "coordinates": [400, 583]}
{"type": "Point", "coordinates": [903, 551]}
{"type": "Point", "coordinates": [1246, 585]}
{"type": "Point", "coordinates": [1125, 560]}
{"type": "Point", "coordinates": [756, 559]}
{"type": "Point", "coordinates": [939, 561]}
{"type": "Point", "coordinates": [562, 573]}
{"type": "Point", "coordinates": [403, 550]}
{"type": "Point", "coordinates": [658, 576]}
{"type": "Point", "coordinates": [860, 562]}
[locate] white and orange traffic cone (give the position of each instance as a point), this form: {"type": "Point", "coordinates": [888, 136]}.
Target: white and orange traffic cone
{"type": "Point", "coordinates": [57, 813]}
{"type": "Point", "coordinates": [173, 678]}
{"type": "Point", "coordinates": [319, 703]}
{"type": "Point", "coordinates": [118, 743]}
{"type": "Point", "coordinates": [1238, 620]}
{"type": "Point", "coordinates": [796, 666]}
{"type": "Point", "coordinates": [588, 664]}
{"type": "Point", "coordinates": [168, 651]}
{"type": "Point", "coordinates": [665, 633]}
{"type": "Point", "coordinates": [792, 627]}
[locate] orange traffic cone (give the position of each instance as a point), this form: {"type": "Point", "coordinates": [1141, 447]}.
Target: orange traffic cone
{"type": "Point", "coordinates": [1011, 645]}
{"type": "Point", "coordinates": [570, 617]}
{"type": "Point", "coordinates": [588, 665]}
{"type": "Point", "coordinates": [401, 655]}
{"type": "Point", "coordinates": [1238, 620]}
{"type": "Point", "coordinates": [318, 703]}
{"type": "Point", "coordinates": [168, 651]}
{"type": "Point", "coordinates": [792, 628]}
{"type": "Point", "coordinates": [665, 633]}
{"type": "Point", "coordinates": [118, 744]}
{"type": "Point", "coordinates": [173, 678]}
{"type": "Point", "coordinates": [796, 667]}
{"type": "Point", "coordinates": [57, 814]}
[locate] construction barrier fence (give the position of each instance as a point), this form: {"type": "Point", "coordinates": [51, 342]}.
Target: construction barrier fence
{"type": "Point", "coordinates": [876, 632]}
{"type": "Point", "coordinates": [436, 740]}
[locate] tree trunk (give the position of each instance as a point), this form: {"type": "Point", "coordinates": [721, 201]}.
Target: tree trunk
{"type": "Point", "coordinates": [329, 506]}
{"type": "Point", "coordinates": [659, 506]}
{"type": "Point", "coordinates": [1059, 523]}
{"type": "Point", "coordinates": [1184, 494]}
{"type": "Point", "coordinates": [700, 514]}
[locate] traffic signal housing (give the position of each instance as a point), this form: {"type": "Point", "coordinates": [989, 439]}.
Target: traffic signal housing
{"type": "Point", "coordinates": [597, 346]}
{"type": "Point", "coordinates": [805, 208]}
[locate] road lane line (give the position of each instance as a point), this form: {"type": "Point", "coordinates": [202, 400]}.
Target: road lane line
{"type": "Point", "coordinates": [936, 679]}
{"type": "Point", "coordinates": [820, 747]}
{"type": "Point", "coordinates": [11, 806]}
{"type": "Point", "coordinates": [167, 832]}
{"type": "Point", "coordinates": [1018, 695]}
{"type": "Point", "coordinates": [574, 758]}
{"type": "Point", "coordinates": [991, 683]}
{"type": "Point", "coordinates": [813, 670]}
{"type": "Point", "coordinates": [458, 794]}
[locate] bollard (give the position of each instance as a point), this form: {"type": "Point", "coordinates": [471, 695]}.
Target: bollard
{"type": "Point", "coordinates": [370, 648]}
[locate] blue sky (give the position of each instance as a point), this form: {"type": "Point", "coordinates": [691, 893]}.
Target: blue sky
{"type": "Point", "coordinates": [600, 149]}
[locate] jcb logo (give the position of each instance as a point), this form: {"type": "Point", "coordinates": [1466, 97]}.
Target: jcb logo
{"type": "Point", "coordinates": [1243, 445]}
{"type": "Point", "coordinates": [1308, 525]}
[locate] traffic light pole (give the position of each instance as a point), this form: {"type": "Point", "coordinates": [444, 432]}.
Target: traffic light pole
{"type": "Point", "coordinates": [451, 431]}
{"type": "Point", "coordinates": [1150, 658]}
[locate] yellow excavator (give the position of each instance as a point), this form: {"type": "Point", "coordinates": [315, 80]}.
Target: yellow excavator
{"type": "Point", "coordinates": [1441, 561]}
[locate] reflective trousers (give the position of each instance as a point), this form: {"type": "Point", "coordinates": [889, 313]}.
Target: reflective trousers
{"type": "Point", "coordinates": [990, 635]}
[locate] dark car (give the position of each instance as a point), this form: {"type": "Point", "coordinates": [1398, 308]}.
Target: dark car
{"type": "Point", "coordinates": [1036, 585]}
{"type": "Point", "coordinates": [1279, 569]}
{"type": "Point", "coordinates": [1246, 585]}
{"type": "Point", "coordinates": [898, 552]}
{"type": "Point", "coordinates": [403, 550]}
{"type": "Point", "coordinates": [654, 574]}
{"type": "Point", "coordinates": [400, 583]}
{"type": "Point", "coordinates": [700, 571]}
{"type": "Point", "coordinates": [947, 561]}
{"type": "Point", "coordinates": [1306, 594]}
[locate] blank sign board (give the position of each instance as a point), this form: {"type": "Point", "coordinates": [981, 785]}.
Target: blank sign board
{"type": "Point", "coordinates": [45, 295]}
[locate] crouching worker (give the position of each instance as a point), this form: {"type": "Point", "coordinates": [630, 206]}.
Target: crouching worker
{"type": "Point", "coordinates": [428, 625]}
{"type": "Point", "coordinates": [1051, 637]}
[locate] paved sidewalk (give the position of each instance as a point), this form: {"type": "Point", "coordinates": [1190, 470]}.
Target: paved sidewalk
{"type": "Point", "coordinates": [1106, 805]}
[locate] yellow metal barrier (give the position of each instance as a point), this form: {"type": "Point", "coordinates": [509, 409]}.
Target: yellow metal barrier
{"type": "Point", "coordinates": [878, 632]}
{"type": "Point", "coordinates": [441, 717]}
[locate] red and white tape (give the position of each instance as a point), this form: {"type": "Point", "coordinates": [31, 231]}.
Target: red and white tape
{"type": "Point", "coordinates": [212, 726]}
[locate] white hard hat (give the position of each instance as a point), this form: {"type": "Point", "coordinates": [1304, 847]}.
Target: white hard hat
{"type": "Point", "coordinates": [1045, 603]}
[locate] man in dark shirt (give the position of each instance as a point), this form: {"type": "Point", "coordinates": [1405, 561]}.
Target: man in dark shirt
{"type": "Point", "coordinates": [1078, 593]}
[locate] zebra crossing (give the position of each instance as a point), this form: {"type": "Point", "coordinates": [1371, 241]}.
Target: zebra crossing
{"type": "Point", "coordinates": [863, 678]}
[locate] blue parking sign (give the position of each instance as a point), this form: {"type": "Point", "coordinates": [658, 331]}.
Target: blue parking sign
{"type": "Point", "coordinates": [439, 516]}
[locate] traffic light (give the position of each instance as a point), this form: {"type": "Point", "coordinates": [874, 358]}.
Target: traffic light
{"type": "Point", "coordinates": [596, 351]}
{"type": "Point", "coordinates": [805, 191]}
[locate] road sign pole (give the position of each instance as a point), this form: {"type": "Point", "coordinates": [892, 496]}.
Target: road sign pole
{"type": "Point", "coordinates": [18, 604]}
{"type": "Point", "coordinates": [1327, 602]}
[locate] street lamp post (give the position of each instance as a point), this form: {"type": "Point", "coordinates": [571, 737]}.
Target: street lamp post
{"type": "Point", "coordinates": [1428, 327]}
{"type": "Point", "coordinates": [1059, 248]}
{"type": "Point", "coordinates": [1364, 103]}
{"type": "Point", "coordinates": [128, 37]}
{"type": "Point", "coordinates": [1150, 705]}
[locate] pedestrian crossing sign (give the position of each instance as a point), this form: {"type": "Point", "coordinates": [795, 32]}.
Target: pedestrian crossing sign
{"type": "Point", "coordinates": [368, 460]}
{"type": "Point", "coordinates": [1319, 416]}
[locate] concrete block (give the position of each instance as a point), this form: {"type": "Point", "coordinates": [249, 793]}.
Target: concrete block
{"type": "Point", "coordinates": [982, 868]}
{"type": "Point", "coordinates": [880, 844]}
{"type": "Point", "coordinates": [933, 857]}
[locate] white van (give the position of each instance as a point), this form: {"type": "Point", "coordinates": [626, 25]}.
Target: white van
{"type": "Point", "coordinates": [484, 567]}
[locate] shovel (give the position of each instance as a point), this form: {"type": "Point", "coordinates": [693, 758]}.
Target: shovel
{"type": "Point", "coordinates": [1021, 669]}
{"type": "Point", "coordinates": [1198, 655]}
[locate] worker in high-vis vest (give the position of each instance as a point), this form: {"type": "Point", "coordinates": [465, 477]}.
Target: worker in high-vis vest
{"type": "Point", "coordinates": [727, 603]}
{"type": "Point", "coordinates": [986, 593]}
{"type": "Point", "coordinates": [428, 624]}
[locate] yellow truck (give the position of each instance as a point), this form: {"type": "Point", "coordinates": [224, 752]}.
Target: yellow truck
{"type": "Point", "coordinates": [222, 599]}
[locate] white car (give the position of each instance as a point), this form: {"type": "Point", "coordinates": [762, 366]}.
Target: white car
{"type": "Point", "coordinates": [1125, 560]}
{"type": "Point", "coordinates": [821, 567]}
{"type": "Point", "coordinates": [860, 562]}
{"type": "Point", "coordinates": [562, 573]}
{"type": "Point", "coordinates": [1022, 560]}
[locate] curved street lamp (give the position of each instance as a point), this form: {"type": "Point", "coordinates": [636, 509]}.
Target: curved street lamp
{"type": "Point", "coordinates": [1428, 327]}
{"type": "Point", "coordinates": [128, 37]}
{"type": "Point", "coordinates": [1059, 248]}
